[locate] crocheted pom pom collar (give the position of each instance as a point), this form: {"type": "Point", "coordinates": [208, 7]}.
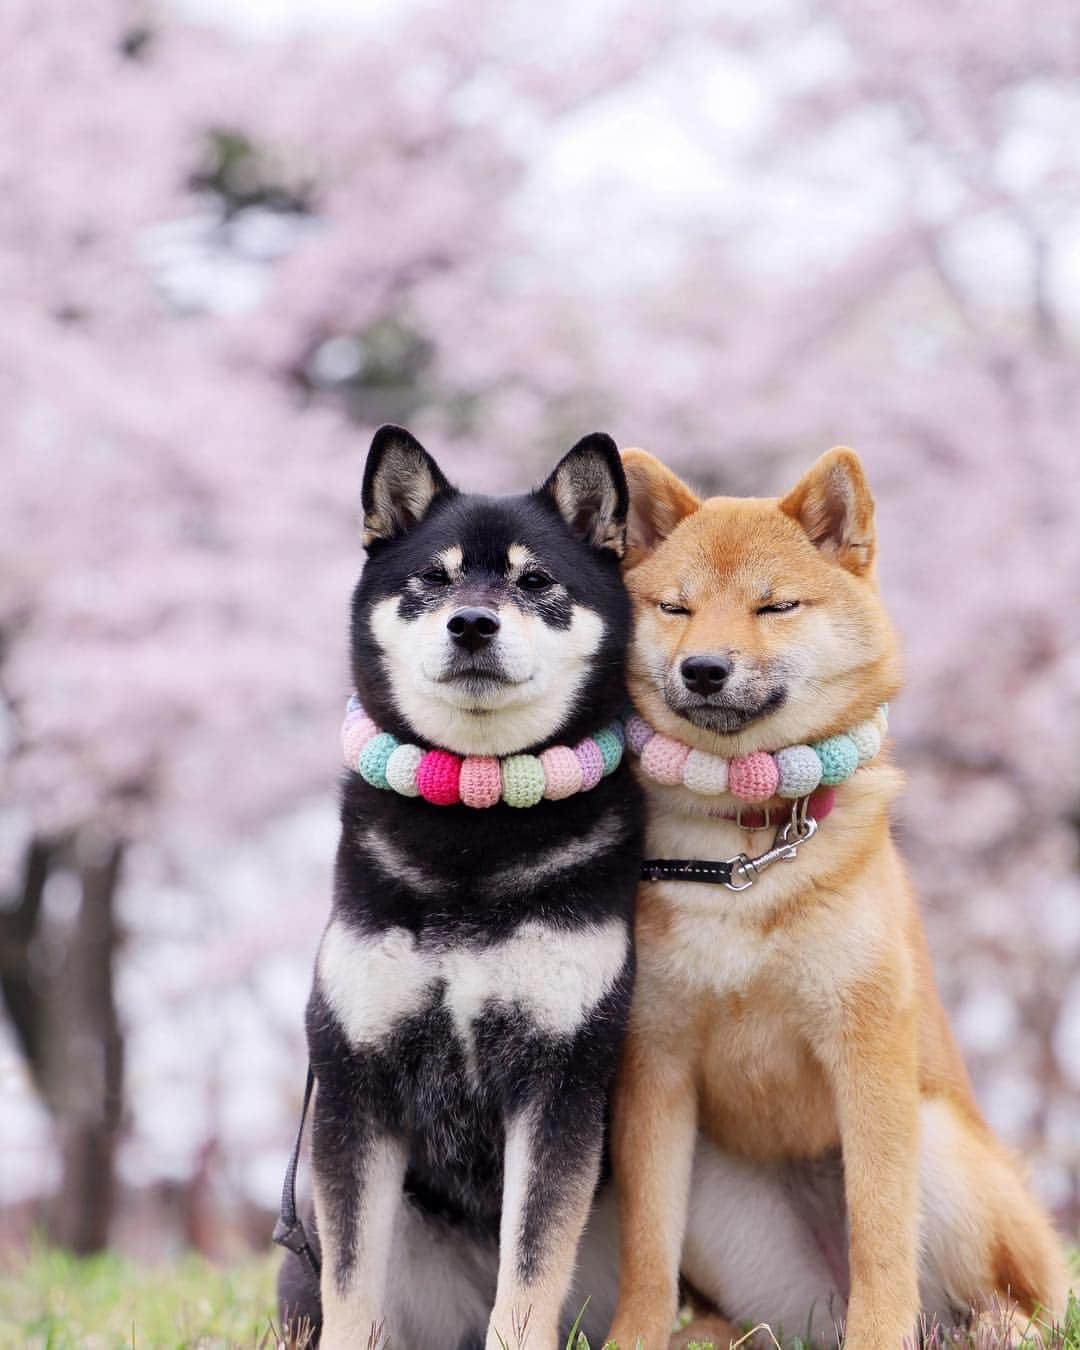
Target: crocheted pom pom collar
{"type": "Point", "coordinates": [793, 772]}
{"type": "Point", "coordinates": [446, 779]}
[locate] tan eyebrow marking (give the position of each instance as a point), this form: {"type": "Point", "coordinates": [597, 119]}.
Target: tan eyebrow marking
{"type": "Point", "coordinates": [519, 560]}
{"type": "Point", "coordinates": [452, 559]}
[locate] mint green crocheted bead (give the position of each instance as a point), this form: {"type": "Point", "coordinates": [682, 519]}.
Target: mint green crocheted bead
{"type": "Point", "coordinates": [839, 757]}
{"type": "Point", "coordinates": [610, 749]}
{"type": "Point", "coordinates": [371, 764]}
{"type": "Point", "coordinates": [522, 780]}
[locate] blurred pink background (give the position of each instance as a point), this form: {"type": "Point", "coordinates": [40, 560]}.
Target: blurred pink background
{"type": "Point", "coordinates": [235, 237]}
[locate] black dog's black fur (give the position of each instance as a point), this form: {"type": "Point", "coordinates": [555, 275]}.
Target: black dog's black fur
{"type": "Point", "coordinates": [449, 1104]}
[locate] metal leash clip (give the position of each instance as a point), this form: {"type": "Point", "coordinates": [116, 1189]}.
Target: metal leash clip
{"type": "Point", "coordinates": [797, 830]}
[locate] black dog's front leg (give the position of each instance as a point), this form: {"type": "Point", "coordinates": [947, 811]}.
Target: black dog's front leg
{"type": "Point", "coordinates": [359, 1171]}
{"type": "Point", "coordinates": [553, 1148]}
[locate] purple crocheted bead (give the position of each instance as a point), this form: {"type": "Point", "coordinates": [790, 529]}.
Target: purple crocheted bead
{"type": "Point", "coordinates": [592, 763]}
{"type": "Point", "coordinates": [638, 733]}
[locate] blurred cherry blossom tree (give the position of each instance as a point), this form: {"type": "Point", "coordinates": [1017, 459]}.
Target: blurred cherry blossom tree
{"type": "Point", "coordinates": [224, 262]}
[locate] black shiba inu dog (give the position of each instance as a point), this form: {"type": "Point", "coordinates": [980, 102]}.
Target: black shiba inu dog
{"type": "Point", "coordinates": [473, 984]}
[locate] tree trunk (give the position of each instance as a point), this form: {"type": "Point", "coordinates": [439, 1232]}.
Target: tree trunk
{"type": "Point", "coordinates": [57, 978]}
{"type": "Point", "coordinates": [88, 1088]}
{"type": "Point", "coordinates": [20, 921]}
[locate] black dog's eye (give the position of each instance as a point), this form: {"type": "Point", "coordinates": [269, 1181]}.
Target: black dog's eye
{"type": "Point", "coordinates": [435, 576]}
{"type": "Point", "coordinates": [781, 607]}
{"type": "Point", "coordinates": [673, 609]}
{"type": "Point", "coordinates": [535, 581]}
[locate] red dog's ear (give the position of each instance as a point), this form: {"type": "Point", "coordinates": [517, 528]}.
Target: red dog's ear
{"type": "Point", "coordinates": [832, 502]}
{"type": "Point", "coordinates": [659, 500]}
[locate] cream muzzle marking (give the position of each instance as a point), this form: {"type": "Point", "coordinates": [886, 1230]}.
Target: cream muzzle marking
{"type": "Point", "coordinates": [805, 776]}
{"type": "Point", "coordinates": [515, 692]}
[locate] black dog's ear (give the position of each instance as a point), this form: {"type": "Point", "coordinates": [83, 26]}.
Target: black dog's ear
{"type": "Point", "coordinates": [588, 489]}
{"type": "Point", "coordinates": [401, 481]}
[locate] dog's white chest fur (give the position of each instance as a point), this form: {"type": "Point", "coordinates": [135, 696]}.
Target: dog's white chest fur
{"type": "Point", "coordinates": [713, 946]}
{"type": "Point", "coordinates": [555, 976]}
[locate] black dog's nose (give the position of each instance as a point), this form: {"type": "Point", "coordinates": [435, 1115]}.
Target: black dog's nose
{"type": "Point", "coordinates": [705, 674]}
{"type": "Point", "coordinates": [473, 628]}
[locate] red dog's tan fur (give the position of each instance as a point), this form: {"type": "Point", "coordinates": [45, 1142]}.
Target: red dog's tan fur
{"type": "Point", "coordinates": [800, 1016]}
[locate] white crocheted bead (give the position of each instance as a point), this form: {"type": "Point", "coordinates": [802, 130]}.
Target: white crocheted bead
{"type": "Point", "coordinates": [881, 721]}
{"type": "Point", "coordinates": [867, 740]}
{"type": "Point", "coordinates": [401, 769]}
{"type": "Point", "coordinates": [705, 773]}
{"type": "Point", "coordinates": [800, 771]}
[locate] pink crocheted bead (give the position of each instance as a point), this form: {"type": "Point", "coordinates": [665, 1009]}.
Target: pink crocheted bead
{"type": "Point", "coordinates": [591, 761]}
{"type": "Point", "coordinates": [638, 733]}
{"type": "Point", "coordinates": [663, 759]}
{"type": "Point", "coordinates": [753, 778]}
{"type": "Point", "coordinates": [357, 730]}
{"type": "Point", "coordinates": [563, 774]}
{"type": "Point", "coordinates": [480, 783]}
{"type": "Point", "coordinates": [438, 778]}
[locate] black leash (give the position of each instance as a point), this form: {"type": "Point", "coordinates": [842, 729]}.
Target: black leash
{"type": "Point", "coordinates": [289, 1229]}
{"type": "Point", "coordinates": [688, 869]}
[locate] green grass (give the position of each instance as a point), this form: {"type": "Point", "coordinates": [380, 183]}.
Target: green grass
{"type": "Point", "coordinates": [990, 1335]}
{"type": "Point", "coordinates": [52, 1301]}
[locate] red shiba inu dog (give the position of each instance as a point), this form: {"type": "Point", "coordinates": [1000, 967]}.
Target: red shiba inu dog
{"type": "Point", "coordinates": [793, 1124]}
